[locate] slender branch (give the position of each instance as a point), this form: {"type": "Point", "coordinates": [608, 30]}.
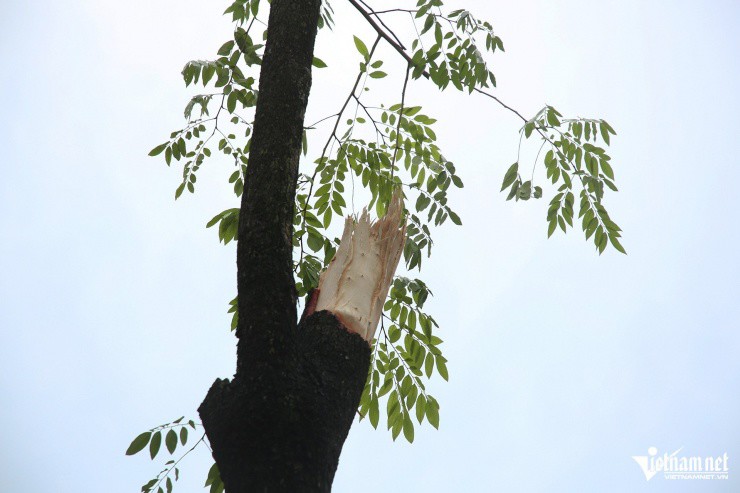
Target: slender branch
{"type": "Point", "coordinates": [519, 148]}
{"type": "Point", "coordinates": [384, 25]}
{"type": "Point", "coordinates": [243, 120]}
{"type": "Point", "coordinates": [381, 32]}
{"type": "Point", "coordinates": [320, 121]}
{"type": "Point", "coordinates": [416, 30]}
{"type": "Point", "coordinates": [172, 466]}
{"type": "Point", "coordinates": [481, 91]}
{"type": "Point", "coordinates": [375, 123]}
{"type": "Point", "coordinates": [378, 12]}
{"type": "Point", "coordinates": [534, 166]}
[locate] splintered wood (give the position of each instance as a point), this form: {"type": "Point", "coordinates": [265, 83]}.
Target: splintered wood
{"type": "Point", "coordinates": [354, 285]}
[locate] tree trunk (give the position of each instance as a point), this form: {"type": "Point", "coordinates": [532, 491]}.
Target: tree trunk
{"type": "Point", "coordinates": [280, 424]}
{"type": "Point", "coordinates": [283, 430]}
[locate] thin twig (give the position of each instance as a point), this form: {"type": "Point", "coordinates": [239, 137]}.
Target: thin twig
{"type": "Point", "coordinates": [319, 121]}
{"type": "Point", "coordinates": [173, 466]}
{"type": "Point", "coordinates": [385, 26]}
{"type": "Point", "coordinates": [375, 123]}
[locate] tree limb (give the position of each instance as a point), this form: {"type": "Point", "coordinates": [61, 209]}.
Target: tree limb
{"type": "Point", "coordinates": [266, 288]}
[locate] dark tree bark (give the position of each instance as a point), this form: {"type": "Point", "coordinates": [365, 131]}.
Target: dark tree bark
{"type": "Point", "coordinates": [280, 424]}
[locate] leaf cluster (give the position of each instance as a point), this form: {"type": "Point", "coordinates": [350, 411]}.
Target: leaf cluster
{"type": "Point", "coordinates": [448, 47]}
{"type": "Point", "coordinates": [174, 434]}
{"type": "Point", "coordinates": [398, 367]}
{"type": "Point", "coordinates": [576, 165]}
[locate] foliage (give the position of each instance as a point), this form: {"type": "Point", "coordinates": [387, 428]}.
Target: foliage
{"type": "Point", "coordinates": [175, 434]}
{"type": "Point", "coordinates": [384, 146]}
{"type": "Point", "coordinates": [571, 155]}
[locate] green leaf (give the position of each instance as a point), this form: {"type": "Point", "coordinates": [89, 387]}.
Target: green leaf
{"type": "Point", "coordinates": [615, 243]}
{"type": "Point", "coordinates": [183, 435]}
{"type": "Point", "coordinates": [318, 62]}
{"type": "Point", "coordinates": [149, 485]}
{"type": "Point", "coordinates": [455, 218]}
{"type": "Point", "coordinates": [408, 428]}
{"type": "Point", "coordinates": [429, 365]}
{"type": "Point", "coordinates": [158, 150]}
{"type": "Point", "coordinates": [374, 412]}
{"type": "Point", "coordinates": [528, 128]}
{"type": "Point", "coordinates": [315, 243]}
{"type": "Point", "coordinates": [327, 218]}
{"type": "Point", "coordinates": [387, 385]}
{"type": "Point", "coordinates": [525, 191]}
{"type": "Point", "coordinates": [442, 368]}
{"type": "Point", "coordinates": [231, 102]}
{"type": "Point", "coordinates": [606, 167]}
{"type": "Point", "coordinates": [154, 444]}
{"type": "Point", "coordinates": [226, 48]}
{"type": "Point", "coordinates": [378, 74]}
{"type": "Point", "coordinates": [410, 110]}
{"type": "Point", "coordinates": [432, 413]}
{"type": "Point", "coordinates": [394, 333]}
{"type": "Point", "coordinates": [420, 407]}
{"type": "Point", "coordinates": [138, 444]}
{"type": "Point", "coordinates": [422, 202]}
{"type": "Point", "coordinates": [396, 429]}
{"type": "Point", "coordinates": [215, 219]}
{"type": "Point", "coordinates": [510, 176]}
{"type": "Point", "coordinates": [213, 475]}
{"type": "Point", "coordinates": [514, 189]}
{"type": "Point", "coordinates": [603, 126]}
{"type": "Point", "coordinates": [208, 73]}
{"type": "Point", "coordinates": [171, 441]}
{"type": "Point", "coordinates": [361, 48]}
{"type": "Point", "coordinates": [392, 406]}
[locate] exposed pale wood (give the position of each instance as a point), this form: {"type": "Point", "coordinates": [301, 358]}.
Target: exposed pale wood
{"type": "Point", "coordinates": [354, 285]}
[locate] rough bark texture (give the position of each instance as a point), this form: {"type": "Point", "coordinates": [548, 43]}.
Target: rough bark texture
{"type": "Point", "coordinates": [284, 432]}
{"type": "Point", "coordinates": [280, 424]}
{"type": "Point", "coordinates": [267, 297]}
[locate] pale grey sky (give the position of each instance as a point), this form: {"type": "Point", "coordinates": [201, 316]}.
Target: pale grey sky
{"type": "Point", "coordinates": [563, 364]}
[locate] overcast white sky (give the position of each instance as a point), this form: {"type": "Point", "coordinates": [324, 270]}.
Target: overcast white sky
{"type": "Point", "coordinates": [563, 364]}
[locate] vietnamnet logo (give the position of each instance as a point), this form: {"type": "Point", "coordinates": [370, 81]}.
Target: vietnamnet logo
{"type": "Point", "coordinates": [674, 466]}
